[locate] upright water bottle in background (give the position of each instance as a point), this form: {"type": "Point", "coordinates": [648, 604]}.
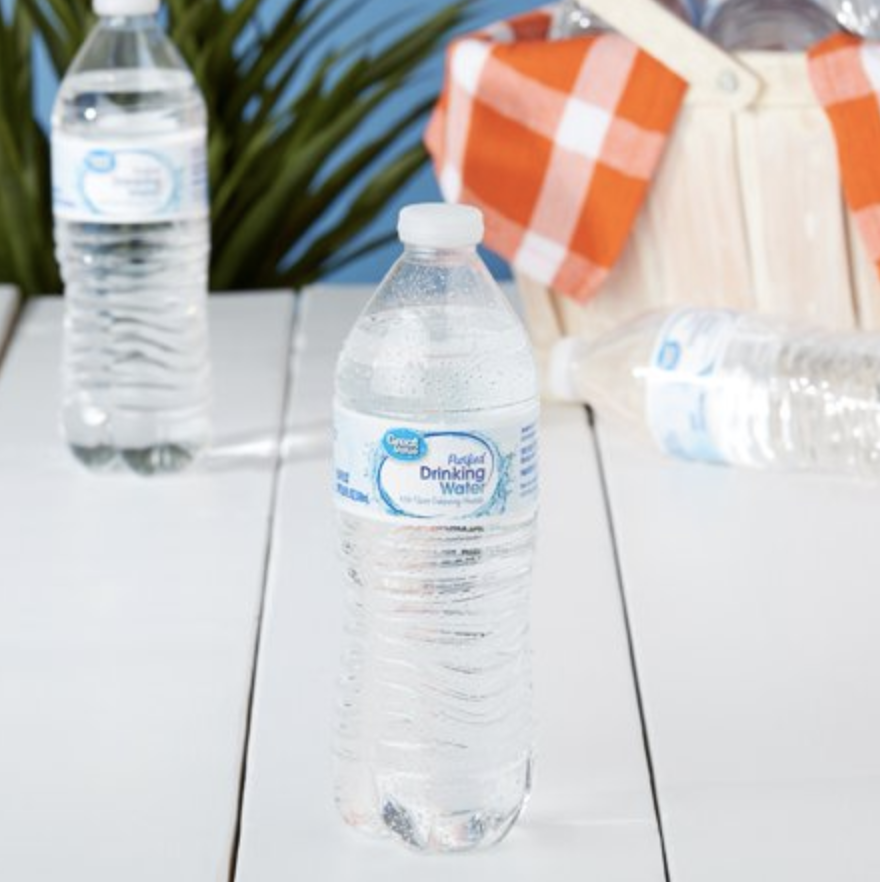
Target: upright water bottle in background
{"type": "Point", "coordinates": [132, 237]}
{"type": "Point", "coordinates": [573, 18]}
{"type": "Point", "coordinates": [721, 386]}
{"type": "Point", "coordinates": [767, 25]}
{"type": "Point", "coordinates": [436, 488]}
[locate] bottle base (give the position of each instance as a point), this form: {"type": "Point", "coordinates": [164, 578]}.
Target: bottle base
{"type": "Point", "coordinates": [100, 458]}
{"type": "Point", "coordinates": [396, 812]}
{"type": "Point", "coordinates": [430, 832]}
{"type": "Point", "coordinates": [156, 460]}
{"type": "Point", "coordinates": [159, 459]}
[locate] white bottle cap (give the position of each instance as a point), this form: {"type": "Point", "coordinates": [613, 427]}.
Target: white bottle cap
{"type": "Point", "coordinates": [125, 7]}
{"type": "Point", "coordinates": [559, 380]}
{"type": "Point", "coordinates": [438, 225]}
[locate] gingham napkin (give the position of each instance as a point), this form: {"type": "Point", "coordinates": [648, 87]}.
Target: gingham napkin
{"type": "Point", "coordinates": [845, 72]}
{"type": "Point", "coordinates": [555, 142]}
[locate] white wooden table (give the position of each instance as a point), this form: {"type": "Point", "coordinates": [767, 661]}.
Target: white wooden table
{"type": "Point", "coordinates": [755, 608]}
{"type": "Point", "coordinates": [591, 815]}
{"type": "Point", "coordinates": [128, 616]}
{"type": "Point", "coordinates": [168, 649]}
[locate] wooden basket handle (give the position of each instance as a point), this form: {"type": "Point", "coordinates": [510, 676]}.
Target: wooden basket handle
{"type": "Point", "coordinates": [719, 76]}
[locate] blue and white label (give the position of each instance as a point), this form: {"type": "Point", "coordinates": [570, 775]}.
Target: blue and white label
{"type": "Point", "coordinates": [161, 178]}
{"type": "Point", "coordinates": [681, 382]}
{"type": "Point", "coordinates": [417, 471]}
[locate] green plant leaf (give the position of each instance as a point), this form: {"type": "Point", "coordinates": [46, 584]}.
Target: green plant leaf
{"type": "Point", "coordinates": [271, 51]}
{"type": "Point", "coordinates": [296, 171]}
{"type": "Point", "coordinates": [313, 206]}
{"type": "Point", "coordinates": [352, 253]}
{"type": "Point", "coordinates": [364, 209]}
{"type": "Point", "coordinates": [50, 33]}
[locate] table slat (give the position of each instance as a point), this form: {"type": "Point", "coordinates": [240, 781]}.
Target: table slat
{"type": "Point", "coordinates": [128, 614]}
{"type": "Point", "coordinates": [755, 612]}
{"type": "Point", "coordinates": [591, 814]}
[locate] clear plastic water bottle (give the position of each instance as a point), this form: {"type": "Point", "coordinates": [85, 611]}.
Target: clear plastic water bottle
{"type": "Point", "coordinates": [573, 18]}
{"type": "Point", "coordinates": [738, 388]}
{"type": "Point", "coordinates": [436, 488]}
{"type": "Point", "coordinates": [130, 201]}
{"type": "Point", "coordinates": [767, 25]}
{"type": "Point", "coordinates": [857, 16]}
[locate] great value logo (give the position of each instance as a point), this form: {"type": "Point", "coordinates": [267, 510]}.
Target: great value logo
{"type": "Point", "coordinates": [437, 474]}
{"type": "Point", "coordinates": [100, 162]}
{"type": "Point", "coordinates": [404, 445]}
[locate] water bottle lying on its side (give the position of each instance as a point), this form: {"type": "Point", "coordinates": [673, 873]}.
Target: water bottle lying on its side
{"type": "Point", "coordinates": [738, 388]}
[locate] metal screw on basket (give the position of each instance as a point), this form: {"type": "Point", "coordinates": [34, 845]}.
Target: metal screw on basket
{"type": "Point", "coordinates": [728, 81]}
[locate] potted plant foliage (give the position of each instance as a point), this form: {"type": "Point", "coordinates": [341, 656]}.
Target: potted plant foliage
{"type": "Point", "coordinates": [290, 142]}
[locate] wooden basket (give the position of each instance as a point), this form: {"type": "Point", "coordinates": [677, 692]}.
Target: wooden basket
{"type": "Point", "coordinates": [746, 209]}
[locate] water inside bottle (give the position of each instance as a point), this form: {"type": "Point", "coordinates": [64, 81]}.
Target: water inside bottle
{"type": "Point", "coordinates": [136, 380]}
{"type": "Point", "coordinates": [434, 743]}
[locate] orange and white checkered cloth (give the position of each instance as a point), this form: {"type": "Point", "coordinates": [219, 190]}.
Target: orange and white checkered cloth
{"type": "Point", "coordinates": [845, 72]}
{"type": "Point", "coordinates": [556, 143]}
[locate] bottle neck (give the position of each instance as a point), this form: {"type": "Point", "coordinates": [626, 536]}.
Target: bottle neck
{"type": "Point", "coordinates": [425, 253]}
{"type": "Point", "coordinates": [142, 22]}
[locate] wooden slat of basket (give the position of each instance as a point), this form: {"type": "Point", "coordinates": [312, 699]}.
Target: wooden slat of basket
{"type": "Point", "coordinates": [785, 80]}
{"type": "Point", "coordinates": [794, 214]}
{"type": "Point", "coordinates": [694, 217]}
{"type": "Point", "coordinates": [541, 314]}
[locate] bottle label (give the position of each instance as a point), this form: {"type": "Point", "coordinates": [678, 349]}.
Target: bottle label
{"type": "Point", "coordinates": [400, 470]}
{"type": "Point", "coordinates": [163, 178]}
{"type": "Point", "coordinates": [681, 384]}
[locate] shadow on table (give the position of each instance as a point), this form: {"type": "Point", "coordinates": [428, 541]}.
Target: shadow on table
{"type": "Point", "coordinates": [251, 451]}
{"type": "Point", "coordinates": [257, 451]}
{"type": "Point", "coordinates": [308, 442]}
